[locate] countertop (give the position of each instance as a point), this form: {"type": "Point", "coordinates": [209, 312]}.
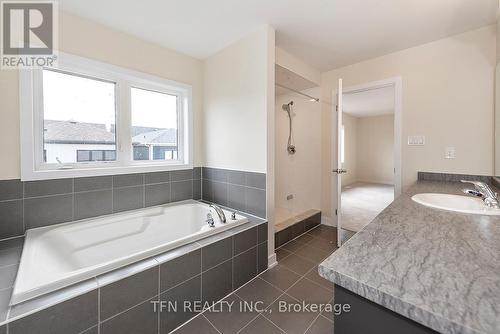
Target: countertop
{"type": "Point", "coordinates": [438, 268]}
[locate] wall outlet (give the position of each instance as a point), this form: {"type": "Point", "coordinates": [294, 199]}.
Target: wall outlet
{"type": "Point", "coordinates": [416, 140]}
{"type": "Point", "coordinates": [449, 153]}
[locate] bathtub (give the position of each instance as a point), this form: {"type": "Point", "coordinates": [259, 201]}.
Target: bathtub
{"type": "Point", "coordinates": [57, 256]}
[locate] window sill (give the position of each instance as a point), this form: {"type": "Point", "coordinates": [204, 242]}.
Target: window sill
{"type": "Point", "coordinates": [32, 175]}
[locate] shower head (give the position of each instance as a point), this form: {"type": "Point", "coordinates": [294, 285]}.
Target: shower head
{"type": "Point", "coordinates": [286, 107]}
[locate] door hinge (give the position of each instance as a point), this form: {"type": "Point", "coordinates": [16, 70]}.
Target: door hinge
{"type": "Point", "coordinates": [336, 212]}
{"type": "Point", "coordinates": [336, 108]}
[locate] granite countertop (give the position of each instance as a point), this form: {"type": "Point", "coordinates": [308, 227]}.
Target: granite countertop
{"type": "Point", "coordinates": [438, 268]}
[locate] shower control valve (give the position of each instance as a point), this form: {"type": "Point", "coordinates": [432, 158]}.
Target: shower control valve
{"type": "Point", "coordinates": [210, 220]}
{"type": "Point", "coordinates": [233, 215]}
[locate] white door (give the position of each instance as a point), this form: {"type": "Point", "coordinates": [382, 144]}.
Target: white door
{"type": "Point", "coordinates": [338, 170]}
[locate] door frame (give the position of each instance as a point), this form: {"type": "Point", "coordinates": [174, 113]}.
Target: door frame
{"type": "Point", "coordinates": [397, 83]}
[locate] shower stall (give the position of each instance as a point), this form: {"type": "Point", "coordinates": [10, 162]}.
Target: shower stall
{"type": "Point", "coordinates": [298, 155]}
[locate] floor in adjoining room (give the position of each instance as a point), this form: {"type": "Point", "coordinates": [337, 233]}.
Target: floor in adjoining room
{"type": "Point", "coordinates": [293, 280]}
{"type": "Point", "coordinates": [362, 202]}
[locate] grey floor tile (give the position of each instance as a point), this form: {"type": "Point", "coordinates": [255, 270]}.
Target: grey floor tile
{"type": "Point", "coordinates": [92, 330]}
{"type": "Point", "coordinates": [328, 314]}
{"type": "Point", "coordinates": [293, 246]}
{"type": "Point", "coordinates": [310, 292]}
{"type": "Point", "coordinates": [324, 232]}
{"type": "Point", "coordinates": [291, 322]}
{"type": "Point", "coordinates": [314, 276]}
{"type": "Point", "coordinates": [314, 254]}
{"type": "Point", "coordinates": [280, 277]}
{"type": "Point", "coordinates": [297, 264]}
{"type": "Point", "coordinates": [262, 326]}
{"type": "Point", "coordinates": [321, 326]}
{"type": "Point", "coordinates": [230, 315]}
{"type": "Point", "coordinates": [305, 238]}
{"type": "Point", "coordinates": [140, 319]}
{"type": "Point", "coordinates": [327, 245]}
{"type": "Point", "coordinates": [259, 290]}
{"type": "Point", "coordinates": [198, 325]}
{"type": "Point", "coordinates": [281, 253]}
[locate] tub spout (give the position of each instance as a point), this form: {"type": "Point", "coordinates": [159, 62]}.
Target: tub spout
{"type": "Point", "coordinates": [220, 213]}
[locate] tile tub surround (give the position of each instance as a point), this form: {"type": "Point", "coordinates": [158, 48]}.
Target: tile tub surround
{"type": "Point", "coordinates": [243, 191]}
{"type": "Point", "coordinates": [437, 268]}
{"type": "Point", "coordinates": [25, 205]}
{"type": "Point", "coordinates": [120, 301]}
{"type": "Point", "coordinates": [293, 227]}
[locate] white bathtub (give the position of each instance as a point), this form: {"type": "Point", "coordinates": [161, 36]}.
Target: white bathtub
{"type": "Point", "coordinates": [57, 256]}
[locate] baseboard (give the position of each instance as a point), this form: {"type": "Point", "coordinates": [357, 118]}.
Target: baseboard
{"type": "Point", "coordinates": [328, 221]}
{"type": "Point", "coordinates": [271, 260]}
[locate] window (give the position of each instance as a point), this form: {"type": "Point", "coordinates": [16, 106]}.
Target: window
{"type": "Point", "coordinates": [88, 118]}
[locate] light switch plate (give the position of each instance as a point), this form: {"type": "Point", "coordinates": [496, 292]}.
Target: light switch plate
{"type": "Point", "coordinates": [416, 140]}
{"type": "Point", "coordinates": [449, 153]}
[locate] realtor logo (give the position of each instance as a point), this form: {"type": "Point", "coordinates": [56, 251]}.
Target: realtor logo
{"type": "Point", "coordinates": [28, 34]}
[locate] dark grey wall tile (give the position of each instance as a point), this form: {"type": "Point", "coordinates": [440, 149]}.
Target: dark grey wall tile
{"type": "Point", "coordinates": [245, 240]}
{"type": "Point", "coordinates": [12, 243]}
{"type": "Point", "coordinates": [10, 256]}
{"type": "Point", "coordinates": [93, 330]}
{"type": "Point", "coordinates": [256, 180]}
{"type": "Point", "coordinates": [236, 177]}
{"type": "Point", "coordinates": [220, 193]}
{"type": "Point", "coordinates": [197, 189]}
{"type": "Point", "coordinates": [217, 282]}
{"type": "Point", "coordinates": [157, 177]}
{"type": "Point", "coordinates": [11, 216]}
{"type": "Point", "coordinates": [4, 303]}
{"type": "Point", "coordinates": [189, 292]}
{"type": "Point", "coordinates": [182, 190]}
{"type": "Point", "coordinates": [128, 198]}
{"type": "Point", "coordinates": [141, 319]}
{"type": "Point", "coordinates": [262, 260]}
{"type": "Point", "coordinates": [262, 233]}
{"type": "Point", "coordinates": [180, 269]}
{"type": "Point", "coordinates": [197, 173]}
{"type": "Point", "coordinates": [207, 190]}
{"type": "Point", "coordinates": [3, 329]}
{"type": "Point", "coordinates": [127, 180]}
{"type": "Point", "coordinates": [157, 194]}
{"type": "Point", "coordinates": [214, 174]}
{"type": "Point", "coordinates": [11, 189]}
{"type": "Point", "coordinates": [43, 211]}
{"type": "Point", "coordinates": [70, 317]}
{"type": "Point", "coordinates": [256, 202]}
{"type": "Point", "coordinates": [8, 276]}
{"type": "Point", "coordinates": [93, 183]}
{"type": "Point", "coordinates": [297, 229]}
{"type": "Point", "coordinates": [236, 197]}
{"type": "Point", "coordinates": [48, 187]}
{"type": "Point", "coordinates": [244, 267]}
{"type": "Point", "coordinates": [218, 252]}
{"type": "Point", "coordinates": [181, 175]}
{"type": "Point", "coordinates": [125, 293]}
{"type": "Point", "coordinates": [93, 203]}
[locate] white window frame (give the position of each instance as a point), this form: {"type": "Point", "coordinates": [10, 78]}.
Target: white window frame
{"type": "Point", "coordinates": [31, 121]}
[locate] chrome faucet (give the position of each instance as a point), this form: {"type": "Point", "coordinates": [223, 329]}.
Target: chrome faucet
{"type": "Point", "coordinates": [210, 220]}
{"type": "Point", "coordinates": [483, 191]}
{"type": "Point", "coordinates": [220, 213]}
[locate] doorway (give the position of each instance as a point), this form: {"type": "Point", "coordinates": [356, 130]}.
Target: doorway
{"type": "Point", "coordinates": [369, 161]}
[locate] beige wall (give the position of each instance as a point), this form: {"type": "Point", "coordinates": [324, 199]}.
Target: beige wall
{"type": "Point", "coordinates": [292, 63]}
{"type": "Point", "coordinates": [298, 174]}
{"type": "Point", "coordinates": [375, 149]}
{"type": "Point", "coordinates": [351, 149]}
{"type": "Point", "coordinates": [92, 40]}
{"type": "Point", "coordinates": [448, 96]}
{"type": "Point", "coordinates": [235, 105]}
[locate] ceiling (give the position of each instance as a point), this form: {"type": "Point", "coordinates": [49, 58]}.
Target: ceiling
{"type": "Point", "coordinates": [324, 33]}
{"type": "Point", "coordinates": [286, 78]}
{"type": "Point", "coordinates": [373, 102]}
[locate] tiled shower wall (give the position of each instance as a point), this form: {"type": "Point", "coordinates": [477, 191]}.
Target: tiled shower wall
{"type": "Point", "coordinates": [243, 191]}
{"type": "Point", "coordinates": [25, 205]}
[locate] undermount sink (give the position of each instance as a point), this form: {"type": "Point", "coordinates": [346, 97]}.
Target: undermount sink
{"type": "Point", "coordinates": [457, 203]}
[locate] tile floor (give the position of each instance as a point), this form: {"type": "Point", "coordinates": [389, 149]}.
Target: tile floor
{"type": "Point", "coordinates": [294, 279]}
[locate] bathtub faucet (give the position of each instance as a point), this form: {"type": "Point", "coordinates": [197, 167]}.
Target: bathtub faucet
{"type": "Point", "coordinates": [220, 213]}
